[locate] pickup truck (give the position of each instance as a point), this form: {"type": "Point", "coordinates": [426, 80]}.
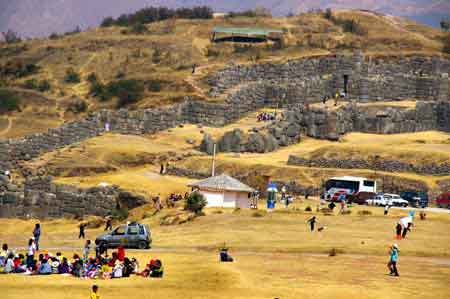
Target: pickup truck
{"type": "Point", "coordinates": [132, 235]}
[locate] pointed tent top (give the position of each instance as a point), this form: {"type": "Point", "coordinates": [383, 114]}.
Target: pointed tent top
{"type": "Point", "coordinates": [222, 182]}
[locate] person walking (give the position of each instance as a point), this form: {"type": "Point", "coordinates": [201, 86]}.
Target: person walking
{"type": "Point", "coordinates": [398, 231]}
{"type": "Point", "coordinates": [108, 225]}
{"type": "Point", "coordinates": [82, 231]}
{"type": "Point", "coordinates": [392, 265]}
{"type": "Point", "coordinates": [312, 221]}
{"type": "Point", "coordinates": [37, 235]}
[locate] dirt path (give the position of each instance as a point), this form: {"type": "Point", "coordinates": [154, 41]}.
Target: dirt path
{"type": "Point", "coordinates": [8, 127]}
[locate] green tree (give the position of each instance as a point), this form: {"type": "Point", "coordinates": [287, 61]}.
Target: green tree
{"type": "Point", "coordinates": [195, 202]}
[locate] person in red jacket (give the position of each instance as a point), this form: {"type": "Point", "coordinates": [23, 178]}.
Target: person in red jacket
{"type": "Point", "coordinates": [121, 253]}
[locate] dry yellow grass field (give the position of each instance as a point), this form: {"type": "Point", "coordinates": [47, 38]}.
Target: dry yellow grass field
{"type": "Point", "coordinates": [275, 257]}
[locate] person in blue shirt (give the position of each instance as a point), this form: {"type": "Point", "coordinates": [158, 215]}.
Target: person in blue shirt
{"type": "Point", "coordinates": [392, 265]}
{"type": "Point", "coordinates": [45, 268]}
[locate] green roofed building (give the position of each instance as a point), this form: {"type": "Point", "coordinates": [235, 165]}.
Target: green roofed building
{"type": "Point", "coordinates": [245, 34]}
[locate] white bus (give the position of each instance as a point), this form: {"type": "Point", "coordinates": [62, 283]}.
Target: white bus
{"type": "Point", "coordinates": [348, 185]}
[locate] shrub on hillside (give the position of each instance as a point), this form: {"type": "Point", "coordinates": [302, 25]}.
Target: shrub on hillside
{"type": "Point", "coordinates": [138, 28]}
{"type": "Point", "coordinates": [107, 22]}
{"type": "Point", "coordinates": [8, 101]}
{"type": "Point", "coordinates": [72, 76]}
{"type": "Point", "coordinates": [328, 14]}
{"type": "Point", "coordinates": [154, 85]}
{"type": "Point", "coordinates": [77, 106]}
{"type": "Point", "coordinates": [354, 27]}
{"type": "Point", "coordinates": [30, 84]}
{"type": "Point", "coordinates": [44, 86]}
{"type": "Point", "coordinates": [127, 91]}
{"type": "Point", "coordinates": [195, 202]}
{"type": "Point", "coordinates": [18, 68]}
{"type": "Point", "coordinates": [92, 78]}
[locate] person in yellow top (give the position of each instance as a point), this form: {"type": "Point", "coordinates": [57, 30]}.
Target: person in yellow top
{"type": "Point", "coordinates": [94, 294]}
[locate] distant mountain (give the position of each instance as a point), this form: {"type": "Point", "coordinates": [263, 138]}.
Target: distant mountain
{"type": "Point", "coordinates": [41, 17]}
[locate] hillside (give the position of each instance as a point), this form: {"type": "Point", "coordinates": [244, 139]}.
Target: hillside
{"type": "Point", "coordinates": [41, 18]}
{"type": "Point", "coordinates": [162, 58]}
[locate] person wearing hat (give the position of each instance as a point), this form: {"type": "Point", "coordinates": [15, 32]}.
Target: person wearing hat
{"type": "Point", "coordinates": [392, 265]}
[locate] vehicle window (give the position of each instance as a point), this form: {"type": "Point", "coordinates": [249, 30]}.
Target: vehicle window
{"type": "Point", "coordinates": [342, 184]}
{"type": "Point", "coordinates": [369, 183]}
{"type": "Point", "coordinates": [449, 197]}
{"type": "Point", "coordinates": [141, 229]}
{"type": "Point", "coordinates": [133, 230]}
{"type": "Point", "coordinates": [120, 230]}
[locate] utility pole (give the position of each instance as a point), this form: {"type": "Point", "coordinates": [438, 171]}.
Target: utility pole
{"type": "Point", "coordinates": [213, 172]}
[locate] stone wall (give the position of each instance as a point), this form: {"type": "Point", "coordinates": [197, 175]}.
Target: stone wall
{"type": "Point", "coordinates": [414, 77]}
{"type": "Point", "coordinates": [323, 123]}
{"type": "Point", "coordinates": [382, 165]}
{"type": "Point", "coordinates": [39, 197]}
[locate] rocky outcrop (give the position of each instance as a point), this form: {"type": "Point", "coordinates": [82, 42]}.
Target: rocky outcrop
{"type": "Point", "coordinates": [237, 141]}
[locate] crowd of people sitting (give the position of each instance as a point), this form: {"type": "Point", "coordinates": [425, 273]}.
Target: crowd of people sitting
{"type": "Point", "coordinates": [267, 116]}
{"type": "Point", "coordinates": [100, 266]}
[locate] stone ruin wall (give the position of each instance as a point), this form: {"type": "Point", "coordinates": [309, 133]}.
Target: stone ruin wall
{"type": "Point", "coordinates": [414, 77]}
{"type": "Point", "coordinates": [40, 197]}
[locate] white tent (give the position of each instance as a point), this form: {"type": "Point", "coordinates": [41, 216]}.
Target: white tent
{"type": "Point", "coordinates": [224, 191]}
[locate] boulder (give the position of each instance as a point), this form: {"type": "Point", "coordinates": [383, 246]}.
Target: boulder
{"type": "Point", "coordinates": [256, 143]}
{"type": "Point", "coordinates": [207, 144]}
{"type": "Point", "coordinates": [231, 141]}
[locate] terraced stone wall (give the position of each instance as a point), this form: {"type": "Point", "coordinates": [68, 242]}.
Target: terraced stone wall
{"type": "Point", "coordinates": [380, 79]}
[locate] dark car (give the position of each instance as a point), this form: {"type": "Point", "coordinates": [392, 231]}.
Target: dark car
{"type": "Point", "coordinates": [132, 235]}
{"type": "Point", "coordinates": [415, 198]}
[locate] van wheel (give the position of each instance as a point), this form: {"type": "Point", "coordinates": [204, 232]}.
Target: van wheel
{"type": "Point", "coordinates": [142, 245]}
{"type": "Point", "coordinates": [405, 205]}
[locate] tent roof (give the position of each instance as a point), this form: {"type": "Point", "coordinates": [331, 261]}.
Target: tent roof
{"type": "Point", "coordinates": [246, 30]}
{"type": "Point", "coordinates": [222, 182]}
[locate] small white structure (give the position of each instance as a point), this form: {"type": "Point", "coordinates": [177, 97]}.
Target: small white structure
{"type": "Point", "coordinates": [224, 191]}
